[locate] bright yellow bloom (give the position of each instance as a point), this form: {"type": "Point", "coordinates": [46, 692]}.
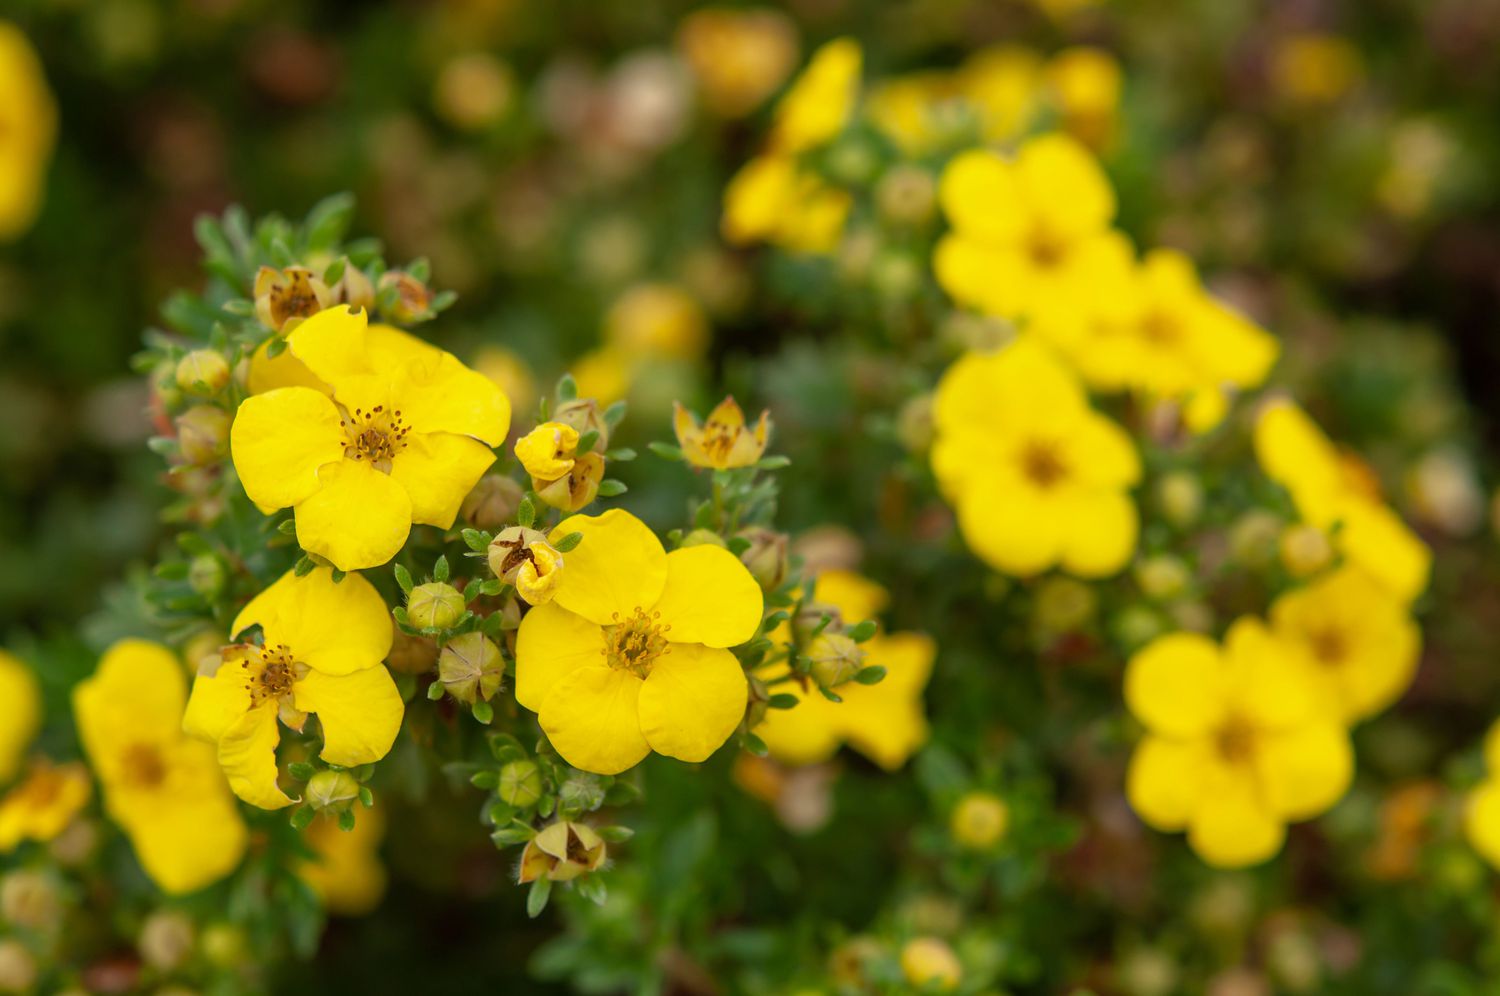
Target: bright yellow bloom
{"type": "Point", "coordinates": [885, 722]}
{"type": "Point", "coordinates": [821, 101]}
{"type": "Point", "coordinates": [1085, 84]}
{"type": "Point", "coordinates": [772, 199]}
{"type": "Point", "coordinates": [1237, 742]}
{"type": "Point", "coordinates": [404, 437]}
{"type": "Point", "coordinates": [44, 803]}
{"type": "Point", "coordinates": [323, 642]}
{"type": "Point", "coordinates": [658, 320]}
{"type": "Point", "coordinates": [1482, 809]}
{"type": "Point", "coordinates": [1360, 641]}
{"type": "Point", "coordinates": [979, 820]}
{"type": "Point", "coordinates": [164, 789]}
{"type": "Point", "coordinates": [20, 713]}
{"type": "Point", "coordinates": [738, 56]}
{"type": "Point", "coordinates": [1001, 83]}
{"type": "Point", "coordinates": [722, 441]}
{"type": "Point", "coordinates": [1039, 479]}
{"type": "Point", "coordinates": [28, 129]}
{"type": "Point", "coordinates": [1026, 231]}
{"type": "Point", "coordinates": [629, 656]}
{"type": "Point", "coordinates": [548, 451]}
{"type": "Point", "coordinates": [605, 374]}
{"type": "Point", "coordinates": [510, 372]}
{"type": "Point", "coordinates": [930, 964]}
{"type": "Point", "coordinates": [1337, 493]}
{"type": "Point", "coordinates": [1152, 329]}
{"type": "Point", "coordinates": [346, 872]}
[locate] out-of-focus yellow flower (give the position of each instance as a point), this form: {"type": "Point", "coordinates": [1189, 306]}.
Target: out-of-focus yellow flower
{"type": "Point", "coordinates": [44, 803]}
{"type": "Point", "coordinates": [772, 199]}
{"type": "Point", "coordinates": [1405, 827]}
{"type": "Point", "coordinates": [1151, 328]}
{"type": "Point", "coordinates": [917, 111]}
{"type": "Point", "coordinates": [1026, 231]}
{"type": "Point", "coordinates": [1062, 10]}
{"type": "Point", "coordinates": [722, 441]}
{"type": "Point", "coordinates": [1421, 154]}
{"type": "Point", "coordinates": [28, 129]}
{"type": "Point", "coordinates": [821, 101]}
{"type": "Point", "coordinates": [321, 653]}
{"type": "Point", "coordinates": [629, 656]}
{"type": "Point", "coordinates": [657, 319]}
{"type": "Point", "coordinates": [1482, 809]}
{"type": "Point", "coordinates": [1085, 83]}
{"type": "Point", "coordinates": [604, 374]}
{"type": "Point", "coordinates": [164, 789]}
{"type": "Point", "coordinates": [738, 56]}
{"type": "Point", "coordinates": [511, 374]}
{"type": "Point", "coordinates": [1314, 69]}
{"type": "Point", "coordinates": [1360, 640]}
{"type": "Point", "coordinates": [474, 91]}
{"type": "Point", "coordinates": [345, 871]}
{"type": "Point", "coordinates": [1001, 83]}
{"type": "Point", "coordinates": [561, 852]}
{"type": "Point", "coordinates": [1237, 742]}
{"type": "Point", "coordinates": [1338, 494]}
{"type": "Point", "coordinates": [1037, 476]}
{"type": "Point", "coordinates": [930, 964]}
{"type": "Point", "coordinates": [979, 820]}
{"type": "Point", "coordinates": [20, 713]}
{"type": "Point", "coordinates": [886, 721]}
{"type": "Point", "coordinates": [286, 298]}
{"type": "Point", "coordinates": [398, 443]}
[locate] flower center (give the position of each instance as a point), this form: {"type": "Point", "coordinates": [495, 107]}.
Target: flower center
{"type": "Point", "coordinates": [374, 436]}
{"type": "Point", "coordinates": [1161, 329]}
{"type": "Point", "coordinates": [719, 438]}
{"type": "Point", "coordinates": [1329, 646]}
{"type": "Point", "coordinates": [270, 678]}
{"type": "Point", "coordinates": [143, 766]}
{"type": "Point", "coordinates": [1236, 741]}
{"type": "Point", "coordinates": [1042, 464]}
{"type": "Point", "coordinates": [634, 644]}
{"type": "Point", "coordinates": [41, 789]}
{"type": "Point", "coordinates": [1046, 249]}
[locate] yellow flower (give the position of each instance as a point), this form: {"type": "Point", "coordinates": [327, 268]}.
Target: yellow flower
{"type": "Point", "coordinates": [1237, 743]}
{"type": "Point", "coordinates": [930, 964]}
{"type": "Point", "coordinates": [629, 656]}
{"type": "Point", "coordinates": [979, 820]}
{"type": "Point", "coordinates": [738, 56]}
{"type": "Point", "coordinates": [1482, 808]}
{"type": "Point", "coordinates": [885, 721]}
{"type": "Point", "coordinates": [323, 642]}
{"type": "Point", "coordinates": [1315, 69]}
{"type": "Point", "coordinates": [548, 451]}
{"type": "Point", "coordinates": [509, 371]}
{"type": "Point", "coordinates": [1026, 231]}
{"type": "Point", "coordinates": [1001, 83]}
{"type": "Point", "coordinates": [604, 374]}
{"type": "Point", "coordinates": [772, 199]}
{"type": "Point", "coordinates": [164, 789]}
{"type": "Point", "coordinates": [561, 852]}
{"type": "Point", "coordinates": [657, 319]}
{"type": "Point", "coordinates": [722, 441]}
{"type": "Point", "coordinates": [1085, 84]}
{"type": "Point", "coordinates": [917, 111]}
{"type": "Point", "coordinates": [28, 128]}
{"type": "Point", "coordinates": [1038, 478]}
{"type": "Point", "coordinates": [44, 803]}
{"type": "Point", "coordinates": [286, 298]}
{"type": "Point", "coordinates": [821, 101]}
{"type": "Point", "coordinates": [20, 713]}
{"type": "Point", "coordinates": [405, 435]}
{"type": "Point", "coordinates": [523, 557]}
{"type": "Point", "coordinates": [345, 871]}
{"type": "Point", "coordinates": [1336, 493]}
{"type": "Point", "coordinates": [1360, 640]}
{"type": "Point", "coordinates": [1155, 331]}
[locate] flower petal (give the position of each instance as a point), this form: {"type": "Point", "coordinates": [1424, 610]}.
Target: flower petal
{"type": "Point", "coordinates": [692, 701]}
{"type": "Point", "coordinates": [138, 690]}
{"type": "Point", "coordinates": [709, 598]}
{"type": "Point", "coordinates": [618, 567]}
{"type": "Point", "coordinates": [1175, 685]}
{"type": "Point", "coordinates": [980, 196]}
{"type": "Point", "coordinates": [1064, 184]}
{"type": "Point", "coordinates": [332, 345]}
{"type": "Point", "coordinates": [268, 372]}
{"type": "Point", "coordinates": [331, 626]}
{"type": "Point", "coordinates": [360, 713]}
{"type": "Point", "coordinates": [1014, 530]}
{"type": "Point", "coordinates": [804, 734]}
{"type": "Point", "coordinates": [189, 845]}
{"type": "Point", "coordinates": [279, 440]}
{"type": "Point", "coordinates": [1482, 820]}
{"type": "Point", "coordinates": [592, 717]}
{"type": "Point", "coordinates": [1101, 534]}
{"type": "Point", "coordinates": [1103, 453]}
{"type": "Point", "coordinates": [438, 470]}
{"type": "Point", "coordinates": [1306, 770]}
{"type": "Point", "coordinates": [1233, 828]}
{"type": "Point", "coordinates": [551, 644]}
{"type": "Point", "coordinates": [247, 753]}
{"type": "Point", "coordinates": [218, 702]}
{"type": "Point", "coordinates": [1165, 780]}
{"type": "Point", "coordinates": [358, 518]}
{"type": "Point", "coordinates": [443, 395]}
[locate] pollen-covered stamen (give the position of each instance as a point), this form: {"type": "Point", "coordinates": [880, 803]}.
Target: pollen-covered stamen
{"type": "Point", "coordinates": [269, 677]}
{"type": "Point", "coordinates": [374, 436]}
{"type": "Point", "coordinates": [634, 644]}
{"type": "Point", "coordinates": [719, 438]}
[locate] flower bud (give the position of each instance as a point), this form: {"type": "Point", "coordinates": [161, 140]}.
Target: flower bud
{"type": "Point", "coordinates": [411, 654]}
{"type": "Point", "coordinates": [520, 784]}
{"type": "Point", "coordinates": [561, 852]}
{"type": "Point", "coordinates": [471, 667]}
{"type": "Point", "coordinates": [17, 967]}
{"type": "Point", "coordinates": [224, 945]}
{"type": "Point", "coordinates": [583, 416]}
{"type": "Point", "coordinates": [547, 452]}
{"type": "Point", "coordinates": [166, 940]}
{"type": "Point", "coordinates": [1162, 577]}
{"type": "Point", "coordinates": [1305, 550]}
{"type": "Point", "coordinates": [538, 577]}
{"type": "Point", "coordinates": [286, 298]}
{"type": "Point", "coordinates": [434, 605]}
{"type": "Point", "coordinates": [835, 659]}
{"type": "Point", "coordinates": [1181, 498]}
{"type": "Point", "coordinates": [1064, 605]}
{"type": "Point", "coordinates": [353, 288]}
{"type": "Point", "coordinates": [203, 371]}
{"type": "Point", "coordinates": [493, 502]}
{"type": "Point", "coordinates": [979, 820]}
{"type": "Point", "coordinates": [1252, 538]}
{"type": "Point", "coordinates": [907, 195]}
{"type": "Point", "coordinates": [335, 790]}
{"type": "Point", "coordinates": [703, 537]}
{"type": "Point", "coordinates": [511, 548]}
{"type": "Point", "coordinates": [413, 300]}
{"type": "Point", "coordinates": [657, 320]}
{"type": "Point", "coordinates": [206, 575]}
{"type": "Point", "coordinates": [929, 963]}
{"type": "Point", "coordinates": [766, 556]}
{"type": "Point", "coordinates": [203, 434]}
{"type": "Point", "coordinates": [29, 899]}
{"type": "Point", "coordinates": [577, 488]}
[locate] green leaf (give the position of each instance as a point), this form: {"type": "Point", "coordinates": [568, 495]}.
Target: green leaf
{"type": "Point", "coordinates": [872, 675]}
{"type": "Point", "coordinates": [616, 834]}
{"type": "Point", "coordinates": [567, 390]}
{"type": "Point", "coordinates": [569, 542]}
{"type": "Point", "coordinates": [614, 414]}
{"type": "Point", "coordinates": [593, 889]}
{"type": "Point", "coordinates": [477, 541]}
{"type": "Point", "coordinates": [346, 820]}
{"type": "Point", "coordinates": [288, 527]}
{"type": "Point", "coordinates": [666, 451]}
{"type": "Point", "coordinates": [624, 453]}
{"type": "Point", "coordinates": [329, 220]}
{"type": "Point", "coordinates": [366, 797]}
{"type": "Point", "coordinates": [302, 817]}
{"type": "Point", "coordinates": [338, 576]}
{"type": "Point", "coordinates": [526, 513]}
{"type": "Point", "coordinates": [304, 567]}
{"type": "Point", "coordinates": [609, 488]}
{"type": "Point", "coordinates": [484, 712]}
{"type": "Point", "coordinates": [403, 578]}
{"type": "Point", "coordinates": [301, 770]}
{"type": "Point", "coordinates": [773, 463]}
{"type": "Point", "coordinates": [487, 779]}
{"type": "Point", "coordinates": [756, 745]}
{"type": "Point", "coordinates": [440, 569]}
{"type": "Point", "coordinates": [587, 440]}
{"type": "Point", "coordinates": [863, 631]}
{"type": "Point", "coordinates": [435, 691]}
{"type": "Point", "coordinates": [782, 700]}
{"type": "Point", "coordinates": [536, 900]}
{"type": "Point", "coordinates": [335, 271]}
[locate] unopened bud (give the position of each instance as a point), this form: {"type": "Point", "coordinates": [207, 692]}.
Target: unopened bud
{"type": "Point", "coordinates": [561, 852]}
{"type": "Point", "coordinates": [930, 963]}
{"type": "Point", "coordinates": [766, 556]}
{"type": "Point", "coordinates": [434, 605]}
{"type": "Point", "coordinates": [510, 549]}
{"type": "Point", "coordinates": [29, 899]}
{"type": "Point", "coordinates": [166, 940]}
{"type": "Point", "coordinates": [583, 415]}
{"type": "Point", "coordinates": [411, 654]}
{"type": "Point", "coordinates": [1162, 577]}
{"type": "Point", "coordinates": [906, 195]}
{"type": "Point", "coordinates": [286, 298]}
{"type": "Point", "coordinates": [203, 434]}
{"type": "Point", "coordinates": [353, 288]}
{"type": "Point", "coordinates": [471, 667]}
{"type": "Point", "coordinates": [206, 575]}
{"type": "Point", "coordinates": [413, 301]}
{"type": "Point", "coordinates": [577, 488]}
{"type": "Point", "coordinates": [335, 790]}
{"type": "Point", "coordinates": [493, 502]}
{"type": "Point", "coordinates": [520, 784]}
{"type": "Point", "coordinates": [1252, 538]}
{"type": "Point", "coordinates": [835, 659]}
{"type": "Point", "coordinates": [1064, 605]}
{"type": "Point", "coordinates": [203, 371]}
{"type": "Point", "coordinates": [979, 820]}
{"type": "Point", "coordinates": [224, 945]}
{"type": "Point", "coordinates": [1181, 498]}
{"type": "Point", "coordinates": [1305, 550]}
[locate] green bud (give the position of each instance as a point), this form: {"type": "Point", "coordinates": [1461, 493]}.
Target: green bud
{"type": "Point", "coordinates": [166, 940]}
{"type": "Point", "coordinates": [1162, 577]}
{"type": "Point", "coordinates": [1064, 605]}
{"type": "Point", "coordinates": [471, 667]}
{"type": "Point", "coordinates": [493, 502]}
{"type": "Point", "coordinates": [520, 784]}
{"type": "Point", "coordinates": [206, 575]}
{"type": "Point", "coordinates": [335, 790]}
{"type": "Point", "coordinates": [203, 371]}
{"type": "Point", "coordinates": [434, 605]}
{"type": "Point", "coordinates": [702, 537]}
{"type": "Point", "coordinates": [203, 434]}
{"type": "Point", "coordinates": [224, 945]}
{"type": "Point", "coordinates": [835, 659]}
{"type": "Point", "coordinates": [29, 899]}
{"type": "Point", "coordinates": [1181, 498]}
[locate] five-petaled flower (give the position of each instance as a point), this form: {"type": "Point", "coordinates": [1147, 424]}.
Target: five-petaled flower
{"type": "Point", "coordinates": [630, 655]}
{"type": "Point", "coordinates": [722, 441]}
{"type": "Point", "coordinates": [44, 803]}
{"type": "Point", "coordinates": [321, 651]}
{"type": "Point", "coordinates": [164, 789]}
{"type": "Point", "coordinates": [402, 439]}
{"type": "Point", "coordinates": [1237, 742]}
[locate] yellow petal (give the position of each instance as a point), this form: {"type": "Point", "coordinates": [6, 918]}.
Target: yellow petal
{"type": "Point", "coordinates": [592, 717]}
{"type": "Point", "coordinates": [981, 276]}
{"type": "Point", "coordinates": [618, 567]}
{"type": "Point", "coordinates": [1165, 780]}
{"type": "Point", "coordinates": [551, 644]}
{"type": "Point", "coordinates": [1232, 828]}
{"type": "Point", "coordinates": [805, 734]}
{"type": "Point", "coordinates": [437, 471]}
{"type": "Point", "coordinates": [1294, 453]}
{"type": "Point", "coordinates": [137, 691]}
{"type": "Point", "coordinates": [1063, 184]}
{"type": "Point", "coordinates": [1305, 770]}
{"type": "Point", "coordinates": [218, 702]}
{"type": "Point", "coordinates": [358, 518]}
{"type": "Point", "coordinates": [191, 843]}
{"type": "Point", "coordinates": [692, 701]}
{"type": "Point", "coordinates": [279, 440]}
{"type": "Point", "coordinates": [1175, 686]}
{"type": "Point", "coordinates": [757, 198]}
{"type": "Point", "coordinates": [360, 713]}
{"type": "Point", "coordinates": [247, 753]}
{"type": "Point", "coordinates": [1482, 821]}
{"type": "Point", "coordinates": [1017, 531]}
{"type": "Point", "coordinates": [709, 598]}
{"type": "Point", "coordinates": [333, 345]}
{"type": "Point", "coordinates": [980, 197]}
{"type": "Point", "coordinates": [1101, 534]}
{"type": "Point", "coordinates": [1103, 453]}
{"type": "Point", "coordinates": [856, 597]}
{"type": "Point", "coordinates": [268, 372]}
{"type": "Point", "coordinates": [1266, 677]}
{"type": "Point", "coordinates": [443, 395]}
{"type": "Point", "coordinates": [333, 627]}
{"type": "Point", "coordinates": [1375, 538]}
{"type": "Point", "coordinates": [20, 713]}
{"type": "Point", "coordinates": [1492, 748]}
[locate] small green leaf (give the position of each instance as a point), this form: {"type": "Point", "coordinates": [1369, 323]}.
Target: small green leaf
{"type": "Point", "coordinates": [616, 834]}
{"type": "Point", "coordinates": [773, 463]}
{"type": "Point", "coordinates": [366, 797]}
{"type": "Point", "coordinates": [440, 569]}
{"type": "Point", "coordinates": [872, 675]}
{"type": "Point", "coordinates": [567, 388]}
{"type": "Point", "coordinates": [756, 745]}
{"type": "Point", "coordinates": [593, 889]}
{"type": "Point", "coordinates": [609, 488]}
{"type": "Point", "coordinates": [487, 779]}
{"type": "Point", "coordinates": [435, 691]}
{"type": "Point", "coordinates": [624, 453]}
{"type": "Point", "coordinates": [569, 543]}
{"type": "Point", "coordinates": [288, 527]}
{"type": "Point", "coordinates": [301, 770]}
{"type": "Point", "coordinates": [666, 451]}
{"type": "Point", "coordinates": [477, 541]}
{"type": "Point", "coordinates": [302, 817]}
{"type": "Point", "coordinates": [536, 900]}
{"type": "Point", "coordinates": [346, 820]}
{"type": "Point", "coordinates": [782, 700]}
{"type": "Point", "coordinates": [484, 712]}
{"type": "Point", "coordinates": [304, 567]}
{"type": "Point", "coordinates": [614, 413]}
{"type": "Point", "coordinates": [863, 631]}
{"type": "Point", "coordinates": [338, 576]}
{"type": "Point", "coordinates": [526, 513]}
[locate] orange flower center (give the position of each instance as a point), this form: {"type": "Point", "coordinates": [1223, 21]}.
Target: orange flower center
{"type": "Point", "coordinates": [1236, 741]}
{"type": "Point", "coordinates": [1045, 248]}
{"type": "Point", "coordinates": [1161, 329]}
{"type": "Point", "coordinates": [635, 643]}
{"type": "Point", "coordinates": [293, 297]}
{"type": "Point", "coordinates": [270, 678]}
{"type": "Point", "coordinates": [143, 766]}
{"type": "Point", "coordinates": [719, 438]}
{"type": "Point", "coordinates": [374, 436]}
{"type": "Point", "coordinates": [1042, 464]}
{"type": "Point", "coordinates": [1329, 646]}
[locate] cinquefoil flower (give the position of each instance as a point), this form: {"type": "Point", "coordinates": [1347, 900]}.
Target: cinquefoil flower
{"type": "Point", "coordinates": [345, 870]}
{"type": "Point", "coordinates": [722, 441]}
{"type": "Point", "coordinates": [28, 128]}
{"type": "Point", "coordinates": [1482, 808]}
{"type": "Point", "coordinates": [629, 656]}
{"type": "Point", "coordinates": [20, 713]}
{"type": "Point", "coordinates": [44, 803]}
{"type": "Point", "coordinates": [402, 440]}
